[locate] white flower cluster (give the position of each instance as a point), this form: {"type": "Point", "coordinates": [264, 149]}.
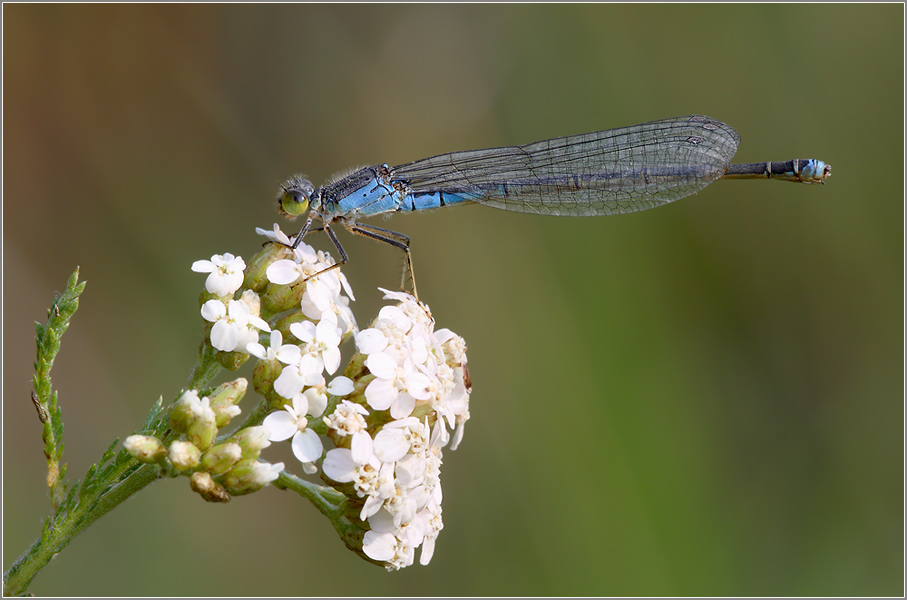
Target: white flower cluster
{"type": "Point", "coordinates": [236, 322]}
{"type": "Point", "coordinates": [301, 379]}
{"type": "Point", "coordinates": [420, 379]}
{"type": "Point", "coordinates": [390, 429]}
{"type": "Point", "coordinates": [323, 294]}
{"type": "Point", "coordinates": [226, 273]}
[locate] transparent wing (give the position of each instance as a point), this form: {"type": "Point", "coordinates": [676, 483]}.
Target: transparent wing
{"type": "Point", "coordinates": [607, 172]}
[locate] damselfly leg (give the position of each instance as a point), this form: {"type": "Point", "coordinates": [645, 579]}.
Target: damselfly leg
{"type": "Point", "coordinates": [398, 240]}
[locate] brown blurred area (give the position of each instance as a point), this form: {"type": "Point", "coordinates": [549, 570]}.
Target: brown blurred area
{"type": "Point", "coordinates": [704, 399]}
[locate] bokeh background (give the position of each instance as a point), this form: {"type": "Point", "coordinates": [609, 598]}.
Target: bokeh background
{"type": "Point", "coordinates": [704, 399]}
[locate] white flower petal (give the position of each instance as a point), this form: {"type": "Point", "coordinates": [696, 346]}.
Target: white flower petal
{"type": "Point", "coordinates": [224, 284]}
{"type": "Point", "coordinates": [274, 235]}
{"type": "Point", "coordinates": [382, 522]}
{"type": "Point", "coordinates": [418, 385]}
{"type": "Point", "coordinates": [419, 350]}
{"type": "Point", "coordinates": [239, 312]}
{"type": "Point", "coordinates": [381, 365]}
{"type": "Point", "coordinates": [361, 447]}
{"type": "Point", "coordinates": [339, 465]}
{"type": "Point", "coordinates": [281, 426]}
{"type": "Point", "coordinates": [203, 266]}
{"type": "Point", "coordinates": [380, 393]}
{"type": "Point", "coordinates": [258, 322]}
{"type": "Point", "coordinates": [319, 293]}
{"type": "Point", "coordinates": [369, 341]}
{"type": "Point", "coordinates": [304, 330]}
{"type": "Point", "coordinates": [224, 336]}
{"type": "Point", "coordinates": [303, 253]}
{"type": "Point", "coordinates": [307, 446]}
{"type": "Point", "coordinates": [457, 436]}
{"type": "Point", "coordinates": [390, 445]}
{"type": "Point", "coordinates": [300, 405]}
{"type": "Point", "coordinates": [282, 272]}
{"type": "Point", "coordinates": [311, 366]}
{"type": "Point", "coordinates": [213, 310]}
{"type": "Point", "coordinates": [445, 335]}
{"type": "Point", "coordinates": [341, 386]}
{"type": "Point", "coordinates": [257, 350]}
{"type": "Point", "coordinates": [379, 546]}
{"type": "Point", "coordinates": [346, 286]}
{"type": "Point", "coordinates": [290, 382]}
{"type": "Point", "coordinates": [428, 550]}
{"type": "Point", "coordinates": [396, 316]}
{"type": "Point", "coordinates": [317, 402]}
{"type": "Point", "coordinates": [327, 331]}
{"type": "Point", "coordinates": [289, 354]}
{"type": "Point", "coordinates": [331, 358]}
{"type": "Point", "coordinates": [403, 405]}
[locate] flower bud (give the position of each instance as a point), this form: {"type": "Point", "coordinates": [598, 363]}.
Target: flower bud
{"type": "Point", "coordinates": [278, 298]}
{"type": "Point", "coordinates": [194, 416]}
{"type": "Point", "coordinates": [203, 484]}
{"type": "Point", "coordinates": [283, 324]}
{"type": "Point", "coordinates": [221, 457]}
{"type": "Point", "coordinates": [252, 440]}
{"type": "Point", "coordinates": [145, 448]}
{"type": "Point", "coordinates": [183, 411]}
{"type": "Point", "coordinates": [253, 301]}
{"type": "Point", "coordinates": [184, 455]}
{"type": "Point", "coordinates": [232, 360]}
{"type": "Point", "coordinates": [264, 375]}
{"type": "Point", "coordinates": [250, 475]}
{"type": "Point", "coordinates": [225, 398]}
{"type": "Point", "coordinates": [256, 271]}
{"type": "Point", "coordinates": [203, 431]}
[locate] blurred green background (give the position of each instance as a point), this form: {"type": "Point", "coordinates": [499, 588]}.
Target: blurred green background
{"type": "Point", "coordinates": [704, 399]}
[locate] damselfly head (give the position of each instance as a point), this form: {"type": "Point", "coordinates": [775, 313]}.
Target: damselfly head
{"type": "Point", "coordinates": [294, 195]}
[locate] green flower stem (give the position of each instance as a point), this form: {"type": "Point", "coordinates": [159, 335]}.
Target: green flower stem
{"type": "Point", "coordinates": [343, 515]}
{"type": "Point", "coordinates": [206, 368]}
{"type": "Point", "coordinates": [113, 479]}
{"type": "Point", "coordinates": [328, 500]}
{"type": "Point", "coordinates": [126, 478]}
{"type": "Point", "coordinates": [111, 486]}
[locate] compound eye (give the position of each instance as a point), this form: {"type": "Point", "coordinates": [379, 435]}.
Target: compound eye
{"type": "Point", "coordinates": [293, 199]}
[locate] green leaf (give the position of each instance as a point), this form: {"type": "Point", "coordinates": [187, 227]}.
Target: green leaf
{"type": "Point", "coordinates": [47, 339]}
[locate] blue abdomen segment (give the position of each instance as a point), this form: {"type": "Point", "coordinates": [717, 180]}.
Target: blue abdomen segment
{"type": "Point", "coordinates": [429, 200]}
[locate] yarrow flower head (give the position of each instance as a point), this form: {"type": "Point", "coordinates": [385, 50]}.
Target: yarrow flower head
{"type": "Point", "coordinates": [389, 436]}
{"type": "Point", "coordinates": [377, 432]}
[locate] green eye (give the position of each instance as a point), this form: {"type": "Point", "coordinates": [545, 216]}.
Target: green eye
{"type": "Point", "coordinates": [293, 199]}
{"type": "Point", "coordinates": [293, 204]}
